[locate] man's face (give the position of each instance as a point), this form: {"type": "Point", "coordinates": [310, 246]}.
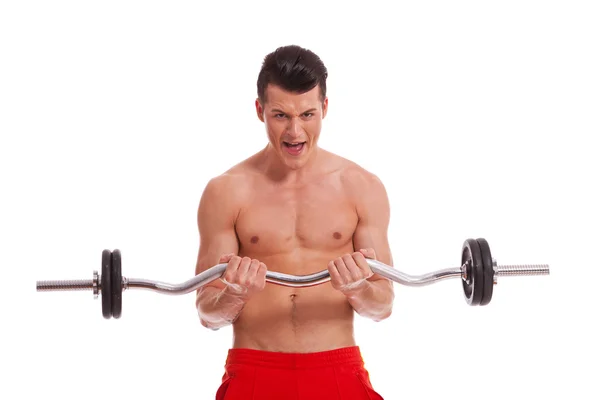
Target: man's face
{"type": "Point", "coordinates": [293, 123]}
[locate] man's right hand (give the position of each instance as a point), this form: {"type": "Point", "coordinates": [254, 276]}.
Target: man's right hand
{"type": "Point", "coordinates": [243, 276]}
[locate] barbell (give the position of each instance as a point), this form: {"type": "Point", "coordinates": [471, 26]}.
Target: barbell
{"type": "Point", "coordinates": [478, 272]}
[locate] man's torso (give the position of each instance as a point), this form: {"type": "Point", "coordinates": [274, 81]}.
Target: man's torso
{"type": "Point", "coordinates": [296, 230]}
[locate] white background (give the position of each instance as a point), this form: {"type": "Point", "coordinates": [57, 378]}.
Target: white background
{"type": "Point", "coordinates": [480, 118]}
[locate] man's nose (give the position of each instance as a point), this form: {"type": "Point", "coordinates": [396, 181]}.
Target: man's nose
{"type": "Point", "coordinates": [294, 128]}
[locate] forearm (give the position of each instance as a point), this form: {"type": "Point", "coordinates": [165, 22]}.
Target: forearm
{"type": "Point", "coordinates": [218, 308]}
{"type": "Point", "coordinates": [374, 300]}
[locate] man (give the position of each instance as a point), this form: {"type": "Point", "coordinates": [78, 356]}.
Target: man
{"type": "Point", "coordinates": [298, 209]}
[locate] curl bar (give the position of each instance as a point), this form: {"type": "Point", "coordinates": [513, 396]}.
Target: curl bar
{"type": "Point", "coordinates": [479, 273]}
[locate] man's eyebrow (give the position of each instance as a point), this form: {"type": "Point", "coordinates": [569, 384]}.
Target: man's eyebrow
{"type": "Point", "coordinates": [277, 110]}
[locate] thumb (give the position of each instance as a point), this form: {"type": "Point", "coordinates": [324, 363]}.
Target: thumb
{"type": "Point", "coordinates": [226, 257]}
{"type": "Point", "coordinates": [368, 253]}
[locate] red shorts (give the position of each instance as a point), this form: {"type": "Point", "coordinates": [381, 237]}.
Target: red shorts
{"type": "Point", "coordinates": [264, 375]}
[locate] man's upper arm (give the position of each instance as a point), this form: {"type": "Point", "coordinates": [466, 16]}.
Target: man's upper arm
{"type": "Point", "coordinates": [373, 209]}
{"type": "Point", "coordinates": [217, 213]}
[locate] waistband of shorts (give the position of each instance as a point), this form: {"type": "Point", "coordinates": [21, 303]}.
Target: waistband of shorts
{"type": "Point", "coordinates": [271, 359]}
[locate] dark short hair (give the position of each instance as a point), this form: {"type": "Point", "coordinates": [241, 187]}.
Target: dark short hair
{"type": "Point", "coordinates": [294, 69]}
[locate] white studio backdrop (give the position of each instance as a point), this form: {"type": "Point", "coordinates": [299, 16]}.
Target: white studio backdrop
{"type": "Point", "coordinates": [479, 117]}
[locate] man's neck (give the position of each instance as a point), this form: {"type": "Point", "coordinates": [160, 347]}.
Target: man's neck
{"type": "Point", "coordinates": [281, 173]}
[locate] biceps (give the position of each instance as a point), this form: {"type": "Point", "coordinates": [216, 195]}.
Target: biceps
{"type": "Point", "coordinates": [211, 251]}
{"type": "Point", "coordinates": [366, 236]}
{"type": "Point", "coordinates": [212, 247]}
{"type": "Point", "coordinates": [370, 236]}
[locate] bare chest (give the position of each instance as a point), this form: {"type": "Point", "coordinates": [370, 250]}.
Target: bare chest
{"type": "Point", "coordinates": [316, 218]}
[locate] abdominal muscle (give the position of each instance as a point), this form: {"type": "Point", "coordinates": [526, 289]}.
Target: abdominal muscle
{"type": "Point", "coordinates": [298, 320]}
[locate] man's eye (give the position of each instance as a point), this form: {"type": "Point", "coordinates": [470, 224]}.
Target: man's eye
{"type": "Point", "coordinates": [308, 115]}
{"type": "Point", "coordinates": [279, 115]}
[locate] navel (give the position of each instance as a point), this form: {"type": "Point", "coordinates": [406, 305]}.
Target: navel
{"type": "Point", "coordinates": [254, 239]}
{"type": "Point", "coordinates": [293, 315]}
{"type": "Point", "coordinates": [337, 235]}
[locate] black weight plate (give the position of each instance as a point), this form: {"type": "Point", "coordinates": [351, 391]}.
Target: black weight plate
{"type": "Point", "coordinates": [117, 284]}
{"type": "Point", "coordinates": [467, 281]}
{"type": "Point", "coordinates": [473, 285]}
{"type": "Point", "coordinates": [488, 271]}
{"type": "Point", "coordinates": [105, 284]}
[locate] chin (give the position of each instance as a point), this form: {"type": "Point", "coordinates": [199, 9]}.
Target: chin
{"type": "Point", "coordinates": [292, 163]}
{"type": "Point", "coordinates": [295, 162]}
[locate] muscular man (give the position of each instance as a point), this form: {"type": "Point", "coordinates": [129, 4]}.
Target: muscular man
{"type": "Point", "coordinates": [295, 208]}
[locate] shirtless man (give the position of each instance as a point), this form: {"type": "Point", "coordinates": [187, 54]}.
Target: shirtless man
{"type": "Point", "coordinates": [298, 209]}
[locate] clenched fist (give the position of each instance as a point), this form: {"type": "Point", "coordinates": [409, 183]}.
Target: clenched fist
{"type": "Point", "coordinates": [350, 272]}
{"type": "Point", "coordinates": [243, 276]}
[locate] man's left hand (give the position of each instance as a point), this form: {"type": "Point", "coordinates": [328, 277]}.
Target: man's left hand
{"type": "Point", "coordinates": [349, 273]}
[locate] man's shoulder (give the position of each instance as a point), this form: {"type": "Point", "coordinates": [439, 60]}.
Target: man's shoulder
{"type": "Point", "coordinates": [227, 182]}
{"type": "Point", "coordinates": [234, 180]}
{"type": "Point", "coordinates": [354, 175]}
{"type": "Point", "coordinates": [362, 186]}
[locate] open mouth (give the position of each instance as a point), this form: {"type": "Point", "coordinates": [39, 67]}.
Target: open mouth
{"type": "Point", "coordinates": [294, 148]}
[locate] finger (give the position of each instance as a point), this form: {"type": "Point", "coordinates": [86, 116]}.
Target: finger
{"type": "Point", "coordinates": [360, 260]}
{"type": "Point", "coordinates": [336, 279]}
{"type": "Point", "coordinates": [355, 271]}
{"type": "Point", "coordinates": [242, 270]}
{"type": "Point", "coordinates": [345, 276]}
{"type": "Point", "coordinates": [261, 275]}
{"type": "Point", "coordinates": [252, 271]}
{"type": "Point", "coordinates": [231, 269]}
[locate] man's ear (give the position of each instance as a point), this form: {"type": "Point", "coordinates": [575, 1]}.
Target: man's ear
{"type": "Point", "coordinates": [260, 112]}
{"type": "Point", "coordinates": [325, 106]}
